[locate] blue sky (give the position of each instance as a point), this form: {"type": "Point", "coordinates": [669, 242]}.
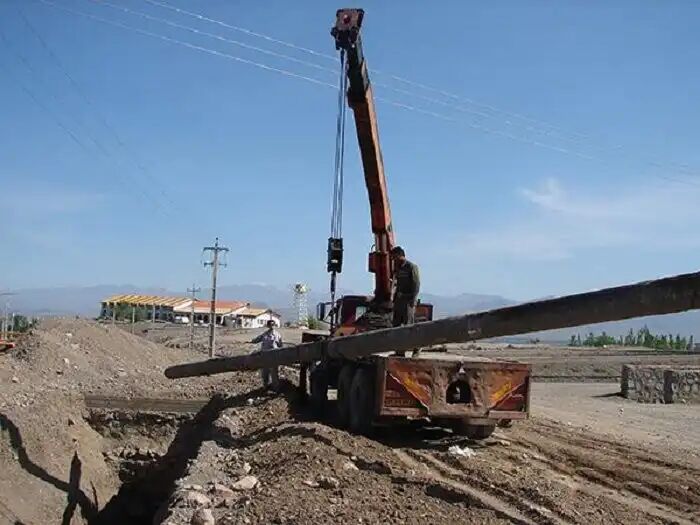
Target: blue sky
{"type": "Point", "coordinates": [598, 186]}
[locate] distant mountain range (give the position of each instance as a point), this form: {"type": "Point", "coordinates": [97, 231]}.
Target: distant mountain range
{"type": "Point", "coordinates": [85, 301]}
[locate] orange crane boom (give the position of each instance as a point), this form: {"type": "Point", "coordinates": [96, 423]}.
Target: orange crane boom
{"type": "Point", "coordinates": [360, 99]}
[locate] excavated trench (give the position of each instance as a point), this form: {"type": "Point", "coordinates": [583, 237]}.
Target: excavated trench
{"type": "Point", "coordinates": [149, 451]}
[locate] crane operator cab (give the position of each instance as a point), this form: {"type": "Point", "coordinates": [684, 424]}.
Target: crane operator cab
{"type": "Point", "coordinates": [353, 314]}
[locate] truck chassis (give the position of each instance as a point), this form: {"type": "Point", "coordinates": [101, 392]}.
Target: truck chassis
{"type": "Point", "coordinates": [472, 396]}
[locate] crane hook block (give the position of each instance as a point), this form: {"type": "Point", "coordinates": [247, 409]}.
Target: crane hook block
{"type": "Point", "coordinates": [335, 255]}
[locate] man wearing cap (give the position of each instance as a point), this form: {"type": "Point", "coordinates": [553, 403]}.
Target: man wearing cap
{"type": "Point", "coordinates": [407, 279]}
{"type": "Point", "coordinates": [270, 339]}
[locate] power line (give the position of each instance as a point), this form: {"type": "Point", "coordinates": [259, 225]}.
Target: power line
{"type": "Point", "coordinates": [282, 56]}
{"type": "Point", "coordinates": [213, 35]}
{"type": "Point", "coordinates": [52, 116]}
{"type": "Point", "coordinates": [58, 121]}
{"type": "Point", "coordinates": [190, 29]}
{"type": "Point", "coordinates": [47, 111]}
{"type": "Point", "coordinates": [563, 134]}
{"type": "Point", "coordinates": [310, 64]}
{"type": "Point", "coordinates": [373, 71]}
{"type": "Point", "coordinates": [244, 30]}
{"type": "Point", "coordinates": [189, 45]}
{"type": "Point", "coordinates": [303, 77]}
{"type": "Point", "coordinates": [292, 74]}
{"type": "Point", "coordinates": [100, 116]}
{"type": "Point", "coordinates": [483, 128]}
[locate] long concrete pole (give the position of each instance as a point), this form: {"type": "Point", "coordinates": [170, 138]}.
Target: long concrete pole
{"type": "Point", "coordinates": [662, 296]}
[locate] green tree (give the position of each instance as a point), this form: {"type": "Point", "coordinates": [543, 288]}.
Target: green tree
{"type": "Point", "coordinates": [313, 323]}
{"type": "Point", "coordinates": [21, 323]}
{"type": "Point", "coordinates": [124, 312]}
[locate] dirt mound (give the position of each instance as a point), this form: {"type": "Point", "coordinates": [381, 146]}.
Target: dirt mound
{"type": "Point", "coordinates": [51, 459]}
{"type": "Point", "coordinates": [79, 356]}
{"type": "Point", "coordinates": [261, 464]}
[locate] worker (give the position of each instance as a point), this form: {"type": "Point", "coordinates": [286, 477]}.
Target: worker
{"type": "Point", "coordinates": [406, 292]}
{"type": "Point", "coordinates": [270, 339]}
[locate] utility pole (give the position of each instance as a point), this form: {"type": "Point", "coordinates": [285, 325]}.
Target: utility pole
{"type": "Point", "coordinates": [214, 263]}
{"type": "Point", "coordinates": [193, 291]}
{"type": "Point", "coordinates": [5, 321]}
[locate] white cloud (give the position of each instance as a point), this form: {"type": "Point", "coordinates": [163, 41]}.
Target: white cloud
{"type": "Point", "coordinates": [561, 223]}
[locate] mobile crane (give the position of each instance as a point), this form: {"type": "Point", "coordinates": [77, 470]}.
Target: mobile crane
{"type": "Point", "coordinates": [357, 313]}
{"type": "Point", "coordinates": [383, 387]}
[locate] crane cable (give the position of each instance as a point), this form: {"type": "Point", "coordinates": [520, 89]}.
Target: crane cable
{"type": "Point", "coordinates": [335, 241]}
{"type": "Point", "coordinates": [337, 209]}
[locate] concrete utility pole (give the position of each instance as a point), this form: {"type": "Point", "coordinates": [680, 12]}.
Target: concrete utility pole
{"type": "Point", "coordinates": [5, 320]}
{"type": "Point", "coordinates": [661, 296]}
{"type": "Point", "coordinates": [193, 291]}
{"type": "Point", "coordinates": [214, 263]}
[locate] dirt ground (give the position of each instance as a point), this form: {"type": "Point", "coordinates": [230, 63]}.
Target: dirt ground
{"type": "Point", "coordinates": [597, 407]}
{"type": "Point", "coordinates": [539, 471]}
{"type": "Point", "coordinates": [219, 450]}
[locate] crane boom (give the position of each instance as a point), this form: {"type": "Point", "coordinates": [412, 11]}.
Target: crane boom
{"type": "Point", "coordinates": [360, 99]}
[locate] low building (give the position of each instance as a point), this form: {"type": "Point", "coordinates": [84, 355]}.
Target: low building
{"type": "Point", "coordinates": [226, 312]}
{"type": "Point", "coordinates": [256, 317]}
{"type": "Point", "coordinates": [142, 307]}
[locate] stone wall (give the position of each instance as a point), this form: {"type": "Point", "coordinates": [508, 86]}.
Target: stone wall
{"type": "Point", "coordinates": [661, 383]}
{"type": "Point", "coordinates": [683, 385]}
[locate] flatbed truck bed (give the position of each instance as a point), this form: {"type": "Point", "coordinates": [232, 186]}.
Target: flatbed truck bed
{"type": "Point", "coordinates": [470, 394]}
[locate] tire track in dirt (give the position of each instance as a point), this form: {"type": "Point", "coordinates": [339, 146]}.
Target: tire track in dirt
{"type": "Point", "coordinates": [647, 466]}
{"type": "Point", "coordinates": [659, 487]}
{"type": "Point", "coordinates": [605, 490]}
{"type": "Point", "coordinates": [534, 510]}
{"type": "Point", "coordinates": [553, 431]}
{"type": "Point", "coordinates": [502, 508]}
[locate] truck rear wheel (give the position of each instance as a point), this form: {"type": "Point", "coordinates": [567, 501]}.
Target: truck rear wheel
{"type": "Point", "coordinates": [318, 385]}
{"type": "Point", "coordinates": [476, 432]}
{"type": "Point", "coordinates": [344, 385]}
{"type": "Point", "coordinates": [361, 401]}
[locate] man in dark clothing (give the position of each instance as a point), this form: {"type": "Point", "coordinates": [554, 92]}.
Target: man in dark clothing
{"type": "Point", "coordinates": [407, 287]}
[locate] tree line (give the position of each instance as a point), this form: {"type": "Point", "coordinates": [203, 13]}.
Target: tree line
{"type": "Point", "coordinates": [643, 337]}
{"type": "Point", "coordinates": [21, 323]}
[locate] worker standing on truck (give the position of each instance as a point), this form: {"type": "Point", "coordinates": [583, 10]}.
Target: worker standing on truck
{"type": "Point", "coordinates": [270, 339]}
{"type": "Point", "coordinates": [407, 287]}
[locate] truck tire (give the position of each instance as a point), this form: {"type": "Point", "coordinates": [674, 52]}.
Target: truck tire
{"type": "Point", "coordinates": [362, 401]}
{"type": "Point", "coordinates": [318, 385]}
{"type": "Point", "coordinates": [347, 373]}
{"type": "Point", "coordinates": [475, 432]}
